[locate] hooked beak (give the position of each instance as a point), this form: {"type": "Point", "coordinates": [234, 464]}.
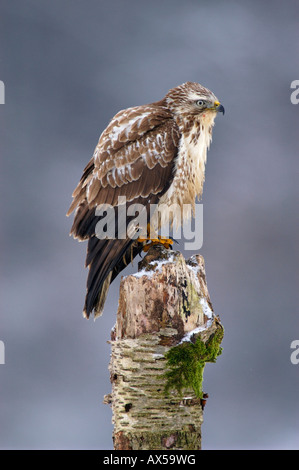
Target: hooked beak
{"type": "Point", "coordinates": [219, 108]}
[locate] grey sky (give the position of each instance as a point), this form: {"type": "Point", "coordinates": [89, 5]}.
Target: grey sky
{"type": "Point", "coordinates": [68, 67]}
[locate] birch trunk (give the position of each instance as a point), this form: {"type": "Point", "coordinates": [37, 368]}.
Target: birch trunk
{"type": "Point", "coordinates": [165, 318]}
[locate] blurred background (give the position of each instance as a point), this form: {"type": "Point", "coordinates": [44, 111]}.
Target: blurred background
{"type": "Point", "coordinates": [68, 67]}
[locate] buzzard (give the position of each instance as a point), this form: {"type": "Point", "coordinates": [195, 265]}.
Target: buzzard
{"type": "Point", "coordinates": [151, 155]}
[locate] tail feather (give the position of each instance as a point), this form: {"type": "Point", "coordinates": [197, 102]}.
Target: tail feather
{"type": "Point", "coordinates": [99, 303]}
{"type": "Point", "coordinates": [107, 260]}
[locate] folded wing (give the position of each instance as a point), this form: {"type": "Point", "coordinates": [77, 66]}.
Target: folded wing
{"type": "Point", "coordinates": [135, 160]}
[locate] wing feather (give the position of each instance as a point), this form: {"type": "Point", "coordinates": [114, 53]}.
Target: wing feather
{"type": "Point", "coordinates": [135, 157]}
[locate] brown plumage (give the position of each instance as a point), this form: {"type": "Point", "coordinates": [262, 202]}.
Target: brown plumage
{"type": "Point", "coordinates": [148, 154]}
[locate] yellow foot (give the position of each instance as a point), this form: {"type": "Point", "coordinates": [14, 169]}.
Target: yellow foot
{"type": "Point", "coordinates": [166, 242]}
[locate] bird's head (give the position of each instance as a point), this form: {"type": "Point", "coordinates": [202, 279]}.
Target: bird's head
{"type": "Point", "coordinates": [192, 99]}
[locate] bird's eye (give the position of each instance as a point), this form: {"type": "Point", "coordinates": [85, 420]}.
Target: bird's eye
{"type": "Point", "coordinates": [200, 102]}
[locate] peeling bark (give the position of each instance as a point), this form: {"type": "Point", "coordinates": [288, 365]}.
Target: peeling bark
{"type": "Point", "coordinates": [164, 304]}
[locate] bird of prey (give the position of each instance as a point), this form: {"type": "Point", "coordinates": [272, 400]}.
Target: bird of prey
{"type": "Point", "coordinates": [152, 154]}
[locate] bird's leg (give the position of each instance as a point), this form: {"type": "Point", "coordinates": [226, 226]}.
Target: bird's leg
{"type": "Point", "coordinates": [157, 239]}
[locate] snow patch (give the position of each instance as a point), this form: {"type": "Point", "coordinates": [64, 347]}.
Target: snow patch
{"type": "Point", "coordinates": [142, 273]}
{"type": "Point", "coordinates": [207, 311]}
{"type": "Point", "coordinates": [157, 267]}
{"type": "Point", "coordinates": [197, 330]}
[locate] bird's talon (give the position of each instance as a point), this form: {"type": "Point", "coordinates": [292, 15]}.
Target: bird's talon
{"type": "Point", "coordinates": [166, 242]}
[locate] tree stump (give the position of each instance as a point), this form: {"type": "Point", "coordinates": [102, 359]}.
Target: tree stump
{"type": "Point", "coordinates": [165, 332]}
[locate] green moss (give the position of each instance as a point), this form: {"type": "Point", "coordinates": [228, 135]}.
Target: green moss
{"type": "Point", "coordinates": [186, 363]}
